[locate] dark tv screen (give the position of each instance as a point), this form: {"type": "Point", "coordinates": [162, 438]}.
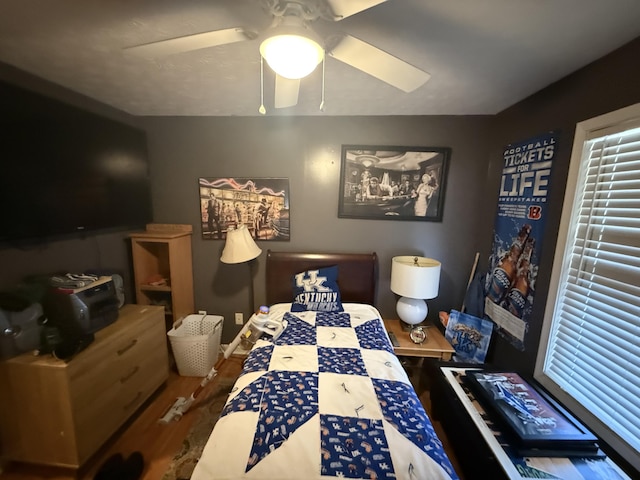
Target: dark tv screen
{"type": "Point", "coordinates": [65, 170]}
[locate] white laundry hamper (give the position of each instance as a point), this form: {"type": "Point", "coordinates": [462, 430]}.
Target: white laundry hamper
{"type": "Point", "coordinates": [195, 343]}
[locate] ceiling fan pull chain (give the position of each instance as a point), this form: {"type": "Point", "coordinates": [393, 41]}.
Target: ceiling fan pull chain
{"type": "Point", "coordinates": [322, 93]}
{"type": "Point", "coordinates": [262, 110]}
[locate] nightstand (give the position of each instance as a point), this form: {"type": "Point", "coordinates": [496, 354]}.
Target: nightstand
{"type": "Point", "coordinates": [435, 346]}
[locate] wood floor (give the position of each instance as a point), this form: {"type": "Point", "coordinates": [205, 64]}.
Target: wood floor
{"type": "Point", "coordinates": [157, 443]}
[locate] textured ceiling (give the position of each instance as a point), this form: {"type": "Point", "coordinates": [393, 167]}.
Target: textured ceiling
{"type": "Point", "coordinates": [483, 56]}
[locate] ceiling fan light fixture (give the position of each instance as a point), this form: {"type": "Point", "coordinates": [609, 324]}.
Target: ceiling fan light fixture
{"type": "Point", "coordinates": [291, 56]}
{"type": "Point", "coordinates": [291, 49]}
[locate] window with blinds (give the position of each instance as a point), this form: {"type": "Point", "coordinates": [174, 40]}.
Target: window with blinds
{"type": "Point", "coordinates": [589, 354]}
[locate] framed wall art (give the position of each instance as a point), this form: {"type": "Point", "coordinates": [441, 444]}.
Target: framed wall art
{"type": "Point", "coordinates": [393, 183]}
{"type": "Point", "coordinates": [262, 204]}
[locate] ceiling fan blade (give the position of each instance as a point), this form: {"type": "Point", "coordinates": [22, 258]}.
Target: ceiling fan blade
{"type": "Point", "coordinates": [192, 42]}
{"type": "Point", "coordinates": [345, 8]}
{"type": "Point", "coordinates": [379, 64]}
{"type": "Point", "coordinates": [286, 92]}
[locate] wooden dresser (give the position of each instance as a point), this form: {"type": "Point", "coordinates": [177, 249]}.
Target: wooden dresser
{"type": "Point", "coordinates": [58, 413]}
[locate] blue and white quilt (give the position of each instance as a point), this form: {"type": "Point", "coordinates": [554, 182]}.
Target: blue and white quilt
{"type": "Point", "coordinates": [327, 399]}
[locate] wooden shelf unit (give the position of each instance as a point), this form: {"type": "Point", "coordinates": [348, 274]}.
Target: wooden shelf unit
{"type": "Point", "coordinates": [164, 251]}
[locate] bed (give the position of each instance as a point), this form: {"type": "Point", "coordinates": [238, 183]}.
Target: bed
{"type": "Point", "coordinates": [328, 398]}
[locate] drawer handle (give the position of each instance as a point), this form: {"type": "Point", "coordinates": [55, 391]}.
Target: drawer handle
{"type": "Point", "coordinates": [122, 350]}
{"type": "Point", "coordinates": [131, 374]}
{"type": "Point", "coordinates": [135, 399]}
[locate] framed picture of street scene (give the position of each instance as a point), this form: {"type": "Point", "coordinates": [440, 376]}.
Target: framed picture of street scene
{"type": "Point", "coordinates": [393, 183]}
{"type": "Point", "coordinates": [261, 204]}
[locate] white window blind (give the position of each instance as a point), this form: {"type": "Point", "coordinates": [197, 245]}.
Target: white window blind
{"type": "Point", "coordinates": [591, 345]}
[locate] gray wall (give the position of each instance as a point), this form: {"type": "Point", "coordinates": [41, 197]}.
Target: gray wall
{"type": "Point", "coordinates": [307, 151]}
{"type": "Point", "coordinates": [611, 83]}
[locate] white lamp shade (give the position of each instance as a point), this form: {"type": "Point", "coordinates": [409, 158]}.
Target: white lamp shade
{"type": "Point", "coordinates": [240, 246]}
{"type": "Point", "coordinates": [415, 277]}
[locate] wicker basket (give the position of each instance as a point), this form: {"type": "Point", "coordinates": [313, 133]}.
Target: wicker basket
{"type": "Point", "coordinates": [195, 344]}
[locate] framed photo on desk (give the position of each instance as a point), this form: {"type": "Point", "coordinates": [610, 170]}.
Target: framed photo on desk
{"type": "Point", "coordinates": [467, 421]}
{"type": "Point", "coordinates": [536, 420]}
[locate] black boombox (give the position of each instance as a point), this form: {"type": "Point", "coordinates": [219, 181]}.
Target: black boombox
{"type": "Point", "coordinates": [82, 311]}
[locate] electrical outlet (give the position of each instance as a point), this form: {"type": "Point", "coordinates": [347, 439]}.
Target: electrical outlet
{"type": "Point", "coordinates": [239, 319]}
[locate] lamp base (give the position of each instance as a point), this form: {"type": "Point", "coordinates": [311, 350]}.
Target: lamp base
{"type": "Point", "coordinates": [411, 311]}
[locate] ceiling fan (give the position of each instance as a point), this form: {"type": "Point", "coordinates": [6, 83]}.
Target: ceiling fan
{"type": "Point", "coordinates": [291, 21]}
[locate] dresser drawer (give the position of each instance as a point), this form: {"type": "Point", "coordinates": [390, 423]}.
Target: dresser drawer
{"type": "Point", "coordinates": [98, 419]}
{"type": "Point", "coordinates": [126, 370]}
{"type": "Point", "coordinates": [114, 362]}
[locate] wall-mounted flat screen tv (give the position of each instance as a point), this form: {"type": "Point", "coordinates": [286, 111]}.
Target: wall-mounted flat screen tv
{"type": "Point", "coordinates": [64, 170]}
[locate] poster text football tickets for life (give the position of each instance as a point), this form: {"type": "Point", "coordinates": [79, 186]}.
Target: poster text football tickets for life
{"type": "Point", "coordinates": [517, 237]}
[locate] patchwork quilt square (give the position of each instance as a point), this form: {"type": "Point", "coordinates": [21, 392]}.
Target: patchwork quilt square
{"type": "Point", "coordinates": [294, 358]}
{"type": "Point", "coordinates": [354, 448]}
{"type": "Point", "coordinates": [324, 319]}
{"type": "Point", "coordinates": [372, 336]}
{"type": "Point", "coordinates": [348, 395]}
{"type": "Point", "coordinates": [341, 360]}
{"type": "Point", "coordinates": [337, 337]}
{"type": "Point", "coordinates": [298, 332]}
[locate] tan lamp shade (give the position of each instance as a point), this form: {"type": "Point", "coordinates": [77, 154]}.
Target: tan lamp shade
{"type": "Point", "coordinates": [240, 246]}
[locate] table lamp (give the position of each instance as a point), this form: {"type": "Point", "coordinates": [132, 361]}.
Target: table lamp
{"type": "Point", "coordinates": [239, 248]}
{"type": "Point", "coordinates": [415, 279]}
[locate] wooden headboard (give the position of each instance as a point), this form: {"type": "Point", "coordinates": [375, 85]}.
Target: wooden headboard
{"type": "Point", "coordinates": [357, 274]}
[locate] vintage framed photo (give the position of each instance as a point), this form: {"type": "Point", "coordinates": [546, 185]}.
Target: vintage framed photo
{"type": "Point", "coordinates": [262, 204]}
{"type": "Point", "coordinates": [533, 417]}
{"type": "Point", "coordinates": [393, 183]}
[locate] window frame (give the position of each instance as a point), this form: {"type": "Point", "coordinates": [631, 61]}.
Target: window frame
{"type": "Point", "coordinates": [619, 120]}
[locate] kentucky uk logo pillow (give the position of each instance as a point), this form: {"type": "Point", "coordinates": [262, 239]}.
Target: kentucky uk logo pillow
{"type": "Point", "coordinates": [317, 290]}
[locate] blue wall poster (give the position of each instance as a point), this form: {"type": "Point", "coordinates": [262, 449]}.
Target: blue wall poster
{"type": "Point", "coordinates": [517, 235]}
